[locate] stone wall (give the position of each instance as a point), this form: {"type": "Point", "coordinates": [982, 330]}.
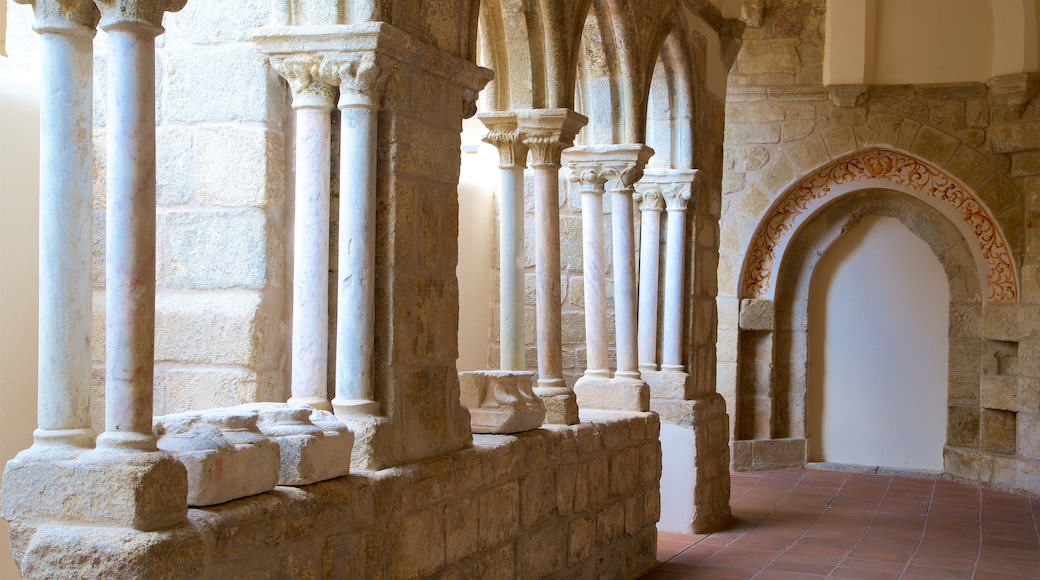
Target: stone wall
{"type": "Point", "coordinates": [566, 502]}
{"type": "Point", "coordinates": [783, 125]}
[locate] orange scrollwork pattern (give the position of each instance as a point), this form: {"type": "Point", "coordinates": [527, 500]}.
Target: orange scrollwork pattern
{"type": "Point", "coordinates": [901, 170]}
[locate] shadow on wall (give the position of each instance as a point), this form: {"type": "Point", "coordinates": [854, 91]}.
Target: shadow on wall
{"type": "Point", "coordinates": [878, 350]}
{"type": "Point", "coordinates": [19, 270]}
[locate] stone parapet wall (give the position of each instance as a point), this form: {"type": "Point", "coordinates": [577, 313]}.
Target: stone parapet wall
{"type": "Point", "coordinates": [577, 501]}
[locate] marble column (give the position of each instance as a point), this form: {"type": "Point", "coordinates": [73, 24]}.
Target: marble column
{"type": "Point", "coordinates": [619, 167]}
{"type": "Point", "coordinates": [361, 84]}
{"type": "Point", "coordinates": [312, 102]}
{"type": "Point", "coordinates": [66, 113]}
{"type": "Point", "coordinates": [512, 155]}
{"type": "Point", "coordinates": [650, 206]}
{"type": "Point", "coordinates": [676, 199]}
{"type": "Point", "coordinates": [547, 132]}
{"type": "Point", "coordinates": [591, 178]}
{"type": "Point", "coordinates": [130, 225]}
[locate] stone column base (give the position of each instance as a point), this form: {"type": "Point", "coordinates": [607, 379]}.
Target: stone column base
{"type": "Point", "coordinates": [145, 491]}
{"type": "Point", "coordinates": [616, 394]}
{"type": "Point", "coordinates": [501, 401]}
{"type": "Point", "coordinates": [695, 464]}
{"type": "Point", "coordinates": [561, 405]}
{"type": "Point", "coordinates": [666, 384]}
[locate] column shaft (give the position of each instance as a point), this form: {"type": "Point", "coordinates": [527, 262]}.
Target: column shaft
{"type": "Point", "coordinates": [649, 273]}
{"type": "Point", "coordinates": [130, 239]}
{"type": "Point", "coordinates": [355, 321]}
{"type": "Point", "coordinates": [511, 267]}
{"type": "Point", "coordinates": [547, 266]}
{"type": "Point", "coordinates": [595, 281]}
{"type": "Point", "coordinates": [675, 249]}
{"type": "Point", "coordinates": [66, 112]}
{"type": "Point", "coordinates": [310, 332]}
{"type": "Point", "coordinates": [624, 283]}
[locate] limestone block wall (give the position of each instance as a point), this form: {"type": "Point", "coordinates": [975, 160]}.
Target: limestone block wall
{"type": "Point", "coordinates": [222, 306]}
{"type": "Point", "coordinates": [784, 125]}
{"type": "Point", "coordinates": [577, 501]}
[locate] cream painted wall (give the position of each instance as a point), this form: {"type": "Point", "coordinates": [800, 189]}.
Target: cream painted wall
{"type": "Point", "coordinates": [878, 350]}
{"type": "Point", "coordinates": [19, 216]}
{"type": "Point", "coordinates": [477, 182]}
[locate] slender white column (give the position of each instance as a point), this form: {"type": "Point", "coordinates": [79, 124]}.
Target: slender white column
{"type": "Point", "coordinates": [66, 105]}
{"type": "Point", "coordinates": [650, 206]}
{"type": "Point", "coordinates": [623, 234]}
{"type": "Point", "coordinates": [130, 228]}
{"type": "Point", "coordinates": [675, 256]}
{"type": "Point", "coordinates": [547, 133]}
{"type": "Point", "coordinates": [512, 161]}
{"type": "Point", "coordinates": [591, 177]}
{"type": "Point", "coordinates": [313, 102]}
{"type": "Point", "coordinates": [360, 90]}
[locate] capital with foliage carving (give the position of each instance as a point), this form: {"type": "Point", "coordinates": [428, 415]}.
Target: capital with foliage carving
{"type": "Point", "coordinates": [649, 198]}
{"type": "Point", "coordinates": [547, 132]}
{"type": "Point", "coordinates": [620, 166]}
{"type": "Point", "coordinates": [65, 16]}
{"type": "Point", "coordinates": [362, 77]}
{"type": "Point", "coordinates": [504, 135]}
{"type": "Point", "coordinates": [140, 14]}
{"type": "Point", "coordinates": [309, 77]}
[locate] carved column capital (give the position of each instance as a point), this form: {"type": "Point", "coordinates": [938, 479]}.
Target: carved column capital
{"type": "Point", "coordinates": [676, 185]}
{"type": "Point", "coordinates": [504, 135]}
{"type": "Point", "coordinates": [361, 78]}
{"type": "Point", "coordinates": [547, 132]}
{"type": "Point", "coordinates": [309, 79]}
{"type": "Point", "coordinates": [649, 198]}
{"type": "Point", "coordinates": [65, 16]}
{"type": "Point", "coordinates": [140, 14]}
{"type": "Point", "coordinates": [618, 165]}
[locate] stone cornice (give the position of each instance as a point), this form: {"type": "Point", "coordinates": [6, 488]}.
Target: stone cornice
{"type": "Point", "coordinates": [504, 135]}
{"type": "Point", "coordinates": [389, 44]}
{"type": "Point", "coordinates": [622, 165]}
{"type": "Point", "coordinates": [65, 16]}
{"type": "Point", "coordinates": [310, 79]}
{"type": "Point", "coordinates": [117, 14]}
{"type": "Point", "coordinates": [547, 132]}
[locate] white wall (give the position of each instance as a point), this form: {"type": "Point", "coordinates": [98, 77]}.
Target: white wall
{"type": "Point", "coordinates": [477, 182]}
{"type": "Point", "coordinates": [878, 350]}
{"type": "Point", "coordinates": [19, 271]}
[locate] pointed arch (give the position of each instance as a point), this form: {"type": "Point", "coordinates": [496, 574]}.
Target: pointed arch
{"type": "Point", "coordinates": [884, 168]}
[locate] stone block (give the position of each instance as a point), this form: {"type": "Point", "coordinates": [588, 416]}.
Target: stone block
{"type": "Point", "coordinates": [537, 497]}
{"type": "Point", "coordinates": [964, 389]}
{"type": "Point", "coordinates": [313, 444]}
{"type": "Point", "coordinates": [776, 176]}
{"type": "Point", "coordinates": [934, 145]}
{"type": "Point", "coordinates": [224, 454]}
{"type": "Point", "coordinates": [962, 426]}
{"type": "Point", "coordinates": [234, 254]}
{"type": "Point", "coordinates": [113, 552]}
{"type": "Point", "coordinates": [203, 23]}
{"type": "Point", "coordinates": [499, 514]}
{"type": "Point", "coordinates": [839, 140]}
{"type": "Point", "coordinates": [756, 314]}
{"type": "Point", "coordinates": [769, 56]}
{"type": "Point", "coordinates": [752, 133]}
{"type": "Point", "coordinates": [581, 540]}
{"type": "Point", "coordinates": [174, 171]}
{"type": "Point", "coordinates": [1026, 163]}
{"type": "Point", "coordinates": [998, 431]}
{"type": "Point", "coordinates": [1028, 436]}
{"type": "Point", "coordinates": [667, 384]}
{"type": "Point", "coordinates": [421, 536]}
{"type": "Point", "coordinates": [207, 328]}
{"type": "Point", "coordinates": [999, 392]}
{"type": "Point", "coordinates": [501, 401]}
{"type": "Point", "coordinates": [778, 453]}
{"type": "Point", "coordinates": [970, 166]}
{"type": "Point", "coordinates": [237, 83]}
{"type": "Point", "coordinates": [254, 152]}
{"type": "Point", "coordinates": [610, 523]}
{"type": "Point", "coordinates": [193, 388]}
{"type": "Point", "coordinates": [544, 552]}
{"type": "Point", "coordinates": [152, 491]}
{"type": "Point", "coordinates": [796, 130]}
{"type": "Point", "coordinates": [616, 394]}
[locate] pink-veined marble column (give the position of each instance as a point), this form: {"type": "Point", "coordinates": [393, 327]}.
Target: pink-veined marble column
{"type": "Point", "coordinates": [361, 84]}
{"type": "Point", "coordinates": [66, 124]}
{"type": "Point", "coordinates": [547, 132]}
{"type": "Point", "coordinates": [313, 102]}
{"type": "Point", "coordinates": [130, 225]}
{"type": "Point", "coordinates": [512, 153]}
{"type": "Point", "coordinates": [650, 206]}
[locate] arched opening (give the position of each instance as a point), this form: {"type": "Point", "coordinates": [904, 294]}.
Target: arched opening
{"type": "Point", "coordinates": [878, 350]}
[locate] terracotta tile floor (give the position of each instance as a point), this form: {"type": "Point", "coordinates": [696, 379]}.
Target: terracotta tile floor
{"type": "Point", "coordinates": [807, 523]}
